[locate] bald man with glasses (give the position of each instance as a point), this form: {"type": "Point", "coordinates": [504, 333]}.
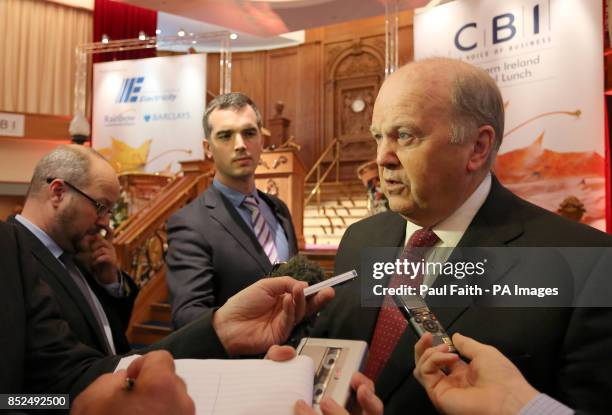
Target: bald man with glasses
{"type": "Point", "coordinates": [65, 220]}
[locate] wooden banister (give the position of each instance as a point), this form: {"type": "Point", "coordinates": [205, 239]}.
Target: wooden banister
{"type": "Point", "coordinates": [336, 146]}
{"type": "Point", "coordinates": [140, 242]}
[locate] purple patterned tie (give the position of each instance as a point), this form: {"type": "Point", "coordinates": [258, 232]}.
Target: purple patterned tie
{"type": "Point", "coordinates": [261, 229]}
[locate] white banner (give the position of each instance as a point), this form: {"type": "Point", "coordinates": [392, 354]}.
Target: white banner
{"type": "Point", "coordinates": [12, 124]}
{"type": "Point", "coordinates": [147, 112]}
{"type": "Point", "coordinates": [546, 57]}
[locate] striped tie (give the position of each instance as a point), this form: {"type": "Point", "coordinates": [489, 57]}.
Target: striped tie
{"type": "Point", "coordinates": [261, 229]}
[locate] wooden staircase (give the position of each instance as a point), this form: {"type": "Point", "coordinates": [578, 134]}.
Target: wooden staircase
{"type": "Point", "coordinates": [341, 204]}
{"type": "Point", "coordinates": [151, 319]}
{"type": "Point", "coordinates": [141, 243]}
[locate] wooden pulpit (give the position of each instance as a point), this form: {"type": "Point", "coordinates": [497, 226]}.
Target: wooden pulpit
{"type": "Point", "coordinates": [281, 173]}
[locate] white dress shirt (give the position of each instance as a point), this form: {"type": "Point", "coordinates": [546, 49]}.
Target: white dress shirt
{"type": "Point", "coordinates": [451, 230]}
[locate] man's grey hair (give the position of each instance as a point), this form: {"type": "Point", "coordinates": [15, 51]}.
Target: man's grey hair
{"type": "Point", "coordinates": [69, 163]}
{"type": "Point", "coordinates": [476, 101]}
{"type": "Point", "coordinates": [233, 100]}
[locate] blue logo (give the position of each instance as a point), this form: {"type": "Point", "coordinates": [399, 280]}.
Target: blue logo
{"type": "Point", "coordinates": [504, 27]}
{"type": "Point", "coordinates": [130, 89]}
{"type": "Point", "coordinates": [167, 116]}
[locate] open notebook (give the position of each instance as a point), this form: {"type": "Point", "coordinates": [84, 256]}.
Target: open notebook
{"type": "Point", "coordinates": [236, 387]}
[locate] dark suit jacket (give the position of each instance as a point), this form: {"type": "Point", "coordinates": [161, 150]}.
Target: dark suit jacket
{"type": "Point", "coordinates": [73, 305]}
{"type": "Point", "coordinates": [213, 253]}
{"type": "Point", "coordinates": [38, 351]}
{"type": "Point", "coordinates": [562, 351]}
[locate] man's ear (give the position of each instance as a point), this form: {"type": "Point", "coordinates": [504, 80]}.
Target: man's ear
{"type": "Point", "coordinates": [58, 191]}
{"type": "Point", "coordinates": [207, 151]}
{"type": "Point", "coordinates": [482, 148]}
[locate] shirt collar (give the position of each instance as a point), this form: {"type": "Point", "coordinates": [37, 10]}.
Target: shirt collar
{"type": "Point", "coordinates": [42, 236]}
{"type": "Point", "coordinates": [235, 197]}
{"type": "Point", "coordinates": [451, 229]}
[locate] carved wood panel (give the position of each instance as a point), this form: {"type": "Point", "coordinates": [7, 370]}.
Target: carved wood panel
{"type": "Point", "coordinates": [354, 103]}
{"type": "Point", "coordinates": [354, 72]}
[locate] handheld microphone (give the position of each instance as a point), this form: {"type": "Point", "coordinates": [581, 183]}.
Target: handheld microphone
{"type": "Point", "coordinates": [422, 320]}
{"type": "Point", "coordinates": [300, 268]}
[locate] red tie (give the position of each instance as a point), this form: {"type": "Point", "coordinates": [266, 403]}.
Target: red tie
{"type": "Point", "coordinates": [391, 323]}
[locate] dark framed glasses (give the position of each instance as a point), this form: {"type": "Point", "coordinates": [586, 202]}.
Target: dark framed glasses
{"type": "Point", "coordinates": [101, 209]}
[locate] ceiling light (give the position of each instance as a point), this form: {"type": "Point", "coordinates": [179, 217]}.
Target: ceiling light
{"type": "Point", "coordinates": [142, 35]}
{"type": "Point", "coordinates": [233, 36]}
{"type": "Point", "coordinates": [157, 31]}
{"type": "Point", "coordinates": [194, 41]}
{"type": "Point", "coordinates": [181, 33]}
{"type": "Point", "coordinates": [105, 39]}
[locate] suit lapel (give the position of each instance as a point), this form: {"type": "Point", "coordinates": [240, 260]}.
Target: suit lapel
{"type": "Point", "coordinates": [495, 225]}
{"type": "Point", "coordinates": [449, 308]}
{"type": "Point", "coordinates": [61, 277]}
{"type": "Point", "coordinates": [222, 211]}
{"type": "Point", "coordinates": [359, 320]}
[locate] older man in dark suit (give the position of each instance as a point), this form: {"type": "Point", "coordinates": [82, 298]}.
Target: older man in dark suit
{"type": "Point", "coordinates": [232, 234]}
{"type": "Point", "coordinates": [68, 206]}
{"type": "Point", "coordinates": [438, 124]}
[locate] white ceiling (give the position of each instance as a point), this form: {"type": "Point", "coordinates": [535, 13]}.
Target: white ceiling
{"type": "Point", "coordinates": [170, 24]}
{"type": "Point", "coordinates": [259, 23]}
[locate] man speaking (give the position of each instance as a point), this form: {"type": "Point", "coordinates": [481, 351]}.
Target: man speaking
{"type": "Point", "coordinates": [438, 124]}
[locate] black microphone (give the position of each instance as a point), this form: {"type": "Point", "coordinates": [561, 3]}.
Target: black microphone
{"type": "Point", "coordinates": [300, 268]}
{"type": "Point", "coordinates": [422, 320]}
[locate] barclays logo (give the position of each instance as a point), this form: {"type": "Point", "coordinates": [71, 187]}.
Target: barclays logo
{"type": "Point", "coordinates": [167, 116]}
{"type": "Point", "coordinates": [130, 88]}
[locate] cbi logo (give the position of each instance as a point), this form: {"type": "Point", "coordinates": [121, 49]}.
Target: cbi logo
{"type": "Point", "coordinates": [129, 90]}
{"type": "Point", "coordinates": [503, 28]}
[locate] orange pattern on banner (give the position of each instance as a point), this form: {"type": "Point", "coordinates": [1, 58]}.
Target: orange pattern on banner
{"type": "Point", "coordinates": [125, 158]}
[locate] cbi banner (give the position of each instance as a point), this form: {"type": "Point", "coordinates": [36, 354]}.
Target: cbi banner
{"type": "Point", "coordinates": [147, 112]}
{"type": "Point", "coordinates": [546, 57]}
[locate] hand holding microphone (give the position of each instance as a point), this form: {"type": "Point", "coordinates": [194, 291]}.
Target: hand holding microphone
{"type": "Point", "coordinates": [300, 268]}
{"type": "Point", "coordinates": [488, 384]}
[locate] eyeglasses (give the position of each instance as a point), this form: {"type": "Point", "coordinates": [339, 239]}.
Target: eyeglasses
{"type": "Point", "coordinates": [101, 209]}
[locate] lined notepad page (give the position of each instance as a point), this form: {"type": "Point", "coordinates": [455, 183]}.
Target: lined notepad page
{"type": "Point", "coordinates": [240, 387]}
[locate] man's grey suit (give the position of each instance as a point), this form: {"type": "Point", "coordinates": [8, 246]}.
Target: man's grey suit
{"type": "Point", "coordinates": [564, 352]}
{"type": "Point", "coordinates": [213, 253]}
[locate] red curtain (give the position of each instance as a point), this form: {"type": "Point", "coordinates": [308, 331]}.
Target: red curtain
{"type": "Point", "coordinates": [122, 21]}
